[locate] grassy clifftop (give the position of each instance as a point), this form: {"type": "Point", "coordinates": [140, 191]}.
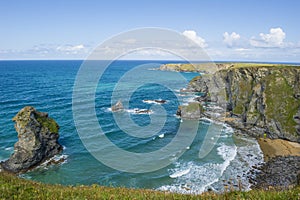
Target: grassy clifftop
{"type": "Point", "coordinates": [12, 187]}
{"type": "Point", "coordinates": [212, 67]}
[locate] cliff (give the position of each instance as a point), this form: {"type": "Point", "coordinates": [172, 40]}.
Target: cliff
{"type": "Point", "coordinates": [260, 98]}
{"type": "Point", "coordinates": [37, 140]}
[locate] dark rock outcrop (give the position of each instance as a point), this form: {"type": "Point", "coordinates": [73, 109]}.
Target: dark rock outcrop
{"type": "Point", "coordinates": [37, 140]}
{"type": "Point", "coordinates": [262, 99]}
{"type": "Point", "coordinates": [198, 84]}
{"type": "Point", "coordinates": [279, 172]}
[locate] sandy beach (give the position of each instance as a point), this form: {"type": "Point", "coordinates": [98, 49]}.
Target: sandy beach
{"type": "Point", "coordinates": [278, 147]}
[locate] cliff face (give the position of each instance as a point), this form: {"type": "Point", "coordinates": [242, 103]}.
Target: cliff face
{"type": "Point", "coordinates": [38, 135]}
{"type": "Point", "coordinates": [261, 99]}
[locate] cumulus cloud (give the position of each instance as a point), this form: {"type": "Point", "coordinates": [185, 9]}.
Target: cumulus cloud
{"type": "Point", "coordinates": [193, 36]}
{"type": "Point", "coordinates": [71, 49]}
{"type": "Point", "coordinates": [275, 38]}
{"type": "Point", "coordinates": [230, 39]}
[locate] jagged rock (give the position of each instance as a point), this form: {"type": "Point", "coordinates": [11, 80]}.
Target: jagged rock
{"type": "Point", "coordinates": [279, 172]}
{"type": "Point", "coordinates": [37, 140]}
{"type": "Point", "coordinates": [203, 98]}
{"type": "Point", "coordinates": [117, 107]}
{"type": "Point", "coordinates": [264, 98]}
{"type": "Point", "coordinates": [192, 111]}
{"type": "Point", "coordinates": [198, 84]}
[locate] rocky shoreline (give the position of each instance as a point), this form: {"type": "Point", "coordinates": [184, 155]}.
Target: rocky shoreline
{"type": "Point", "coordinates": [277, 173]}
{"type": "Point", "coordinates": [262, 100]}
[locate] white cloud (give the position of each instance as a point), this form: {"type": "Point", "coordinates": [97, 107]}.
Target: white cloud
{"type": "Point", "coordinates": [230, 39]}
{"type": "Point", "coordinates": [193, 36]}
{"type": "Point", "coordinates": [50, 51]}
{"type": "Point", "coordinates": [71, 49]}
{"type": "Point", "coordinates": [275, 38]}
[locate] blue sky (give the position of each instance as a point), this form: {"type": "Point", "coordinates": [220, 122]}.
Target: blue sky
{"type": "Point", "coordinates": [257, 30]}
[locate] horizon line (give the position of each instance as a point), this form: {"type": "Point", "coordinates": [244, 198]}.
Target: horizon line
{"type": "Point", "coordinates": [165, 60]}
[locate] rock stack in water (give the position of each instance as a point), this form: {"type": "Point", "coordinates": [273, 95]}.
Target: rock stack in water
{"type": "Point", "coordinates": [193, 111]}
{"type": "Point", "coordinates": [37, 140]}
{"type": "Point", "coordinates": [117, 107]}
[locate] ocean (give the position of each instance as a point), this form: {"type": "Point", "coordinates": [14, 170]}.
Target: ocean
{"type": "Point", "coordinates": [48, 86]}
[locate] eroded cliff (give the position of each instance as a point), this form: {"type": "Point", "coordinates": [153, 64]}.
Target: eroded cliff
{"type": "Point", "coordinates": [260, 99]}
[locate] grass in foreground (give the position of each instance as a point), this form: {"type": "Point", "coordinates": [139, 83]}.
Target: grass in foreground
{"type": "Point", "coordinates": [12, 187]}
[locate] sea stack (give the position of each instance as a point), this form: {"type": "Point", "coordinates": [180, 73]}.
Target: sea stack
{"type": "Point", "coordinates": [37, 140]}
{"type": "Point", "coordinates": [193, 111]}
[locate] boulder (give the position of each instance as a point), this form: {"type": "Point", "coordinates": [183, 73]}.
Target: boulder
{"type": "Point", "coordinates": [37, 140]}
{"type": "Point", "coordinates": [191, 111]}
{"type": "Point", "coordinates": [117, 107]}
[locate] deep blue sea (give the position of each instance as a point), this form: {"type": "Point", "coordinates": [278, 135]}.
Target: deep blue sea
{"type": "Point", "coordinates": [48, 86]}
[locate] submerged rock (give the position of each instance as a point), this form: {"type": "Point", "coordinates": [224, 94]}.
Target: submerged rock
{"type": "Point", "coordinates": [117, 107]}
{"type": "Point", "coordinates": [142, 111]}
{"type": "Point", "coordinates": [159, 101]}
{"type": "Point", "coordinates": [37, 140]}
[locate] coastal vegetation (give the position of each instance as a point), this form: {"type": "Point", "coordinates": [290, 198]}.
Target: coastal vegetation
{"type": "Point", "coordinates": [194, 67]}
{"type": "Point", "coordinates": [12, 187]}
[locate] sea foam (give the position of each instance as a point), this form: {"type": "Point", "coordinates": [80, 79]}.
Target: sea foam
{"type": "Point", "coordinates": [194, 178]}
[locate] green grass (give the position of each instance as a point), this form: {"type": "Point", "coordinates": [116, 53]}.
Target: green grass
{"type": "Point", "coordinates": [194, 67]}
{"type": "Point", "coordinates": [241, 65]}
{"type": "Point", "coordinates": [12, 187]}
{"type": "Point", "coordinates": [23, 118]}
{"type": "Point", "coordinates": [281, 105]}
{"type": "Point", "coordinates": [194, 106]}
{"type": "Point", "coordinates": [49, 123]}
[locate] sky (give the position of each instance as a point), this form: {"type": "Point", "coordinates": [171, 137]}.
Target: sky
{"type": "Point", "coordinates": [228, 30]}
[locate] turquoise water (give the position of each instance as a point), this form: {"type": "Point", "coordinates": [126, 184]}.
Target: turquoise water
{"type": "Point", "coordinates": [48, 86]}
